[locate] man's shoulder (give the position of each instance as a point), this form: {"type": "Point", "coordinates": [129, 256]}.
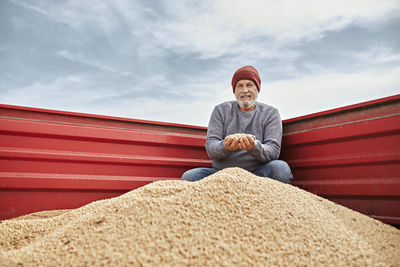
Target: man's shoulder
{"type": "Point", "coordinates": [265, 107]}
{"type": "Point", "coordinates": [226, 105]}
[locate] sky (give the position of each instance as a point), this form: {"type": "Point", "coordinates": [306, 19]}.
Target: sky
{"type": "Point", "coordinates": [173, 61]}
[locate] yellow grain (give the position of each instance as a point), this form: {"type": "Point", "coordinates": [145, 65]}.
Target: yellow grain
{"type": "Point", "coordinates": [232, 218]}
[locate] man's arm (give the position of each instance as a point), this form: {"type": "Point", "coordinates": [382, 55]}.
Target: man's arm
{"type": "Point", "coordinates": [270, 147]}
{"type": "Point", "coordinates": [215, 145]}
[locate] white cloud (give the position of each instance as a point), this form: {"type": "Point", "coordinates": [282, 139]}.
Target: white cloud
{"type": "Point", "coordinates": [320, 92]}
{"type": "Point", "coordinates": [215, 28]}
{"type": "Point", "coordinates": [231, 31]}
{"type": "Point", "coordinates": [88, 14]}
{"type": "Point", "coordinates": [79, 93]}
{"type": "Point", "coordinates": [69, 92]}
{"type": "Point", "coordinates": [376, 55]}
{"type": "Point", "coordinates": [81, 59]}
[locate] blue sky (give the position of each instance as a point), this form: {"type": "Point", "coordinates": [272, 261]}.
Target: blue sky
{"type": "Point", "coordinates": [173, 61]}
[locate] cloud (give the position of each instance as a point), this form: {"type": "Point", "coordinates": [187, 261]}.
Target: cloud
{"type": "Point", "coordinates": [173, 60]}
{"type": "Point", "coordinates": [293, 98]}
{"type": "Point", "coordinates": [79, 58]}
{"type": "Point", "coordinates": [70, 13]}
{"type": "Point", "coordinates": [70, 92]}
{"type": "Point", "coordinates": [318, 92]}
{"type": "Point", "coordinates": [216, 28]}
{"type": "Point", "coordinates": [380, 54]}
{"type": "Point", "coordinates": [213, 28]}
{"type": "Point", "coordinates": [80, 93]}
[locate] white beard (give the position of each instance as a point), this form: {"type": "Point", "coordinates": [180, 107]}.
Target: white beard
{"type": "Point", "coordinates": [246, 104]}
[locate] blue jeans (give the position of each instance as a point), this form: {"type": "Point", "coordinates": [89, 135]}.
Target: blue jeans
{"type": "Point", "coordinates": [276, 169]}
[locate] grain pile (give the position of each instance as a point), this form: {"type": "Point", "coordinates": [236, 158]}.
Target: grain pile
{"type": "Point", "coordinates": [229, 218]}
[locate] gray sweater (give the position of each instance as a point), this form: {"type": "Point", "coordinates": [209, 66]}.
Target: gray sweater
{"type": "Point", "coordinates": [264, 122]}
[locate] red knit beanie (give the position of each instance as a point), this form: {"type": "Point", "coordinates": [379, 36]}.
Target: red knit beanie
{"type": "Point", "coordinates": [246, 73]}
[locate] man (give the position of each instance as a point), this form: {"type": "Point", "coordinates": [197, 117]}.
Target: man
{"type": "Point", "coordinates": [257, 149]}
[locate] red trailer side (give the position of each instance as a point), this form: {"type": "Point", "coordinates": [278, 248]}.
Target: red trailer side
{"type": "Point", "coordinates": [62, 160]}
{"type": "Point", "coordinates": [350, 155]}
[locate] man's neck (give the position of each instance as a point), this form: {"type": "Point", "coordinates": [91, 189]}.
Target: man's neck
{"type": "Point", "coordinates": [247, 110]}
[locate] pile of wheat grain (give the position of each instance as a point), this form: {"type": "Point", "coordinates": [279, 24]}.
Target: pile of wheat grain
{"type": "Point", "coordinates": [229, 218]}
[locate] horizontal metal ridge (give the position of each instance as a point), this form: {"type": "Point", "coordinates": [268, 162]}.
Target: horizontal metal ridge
{"type": "Point", "coordinates": [352, 187]}
{"type": "Point", "coordinates": [164, 131]}
{"type": "Point", "coordinates": [57, 155]}
{"type": "Point", "coordinates": [349, 159]}
{"type": "Point", "coordinates": [387, 219]}
{"type": "Point", "coordinates": [48, 181]}
{"type": "Point", "coordinates": [13, 127]}
{"type": "Point", "coordinates": [382, 126]}
{"type": "Point", "coordinates": [344, 123]}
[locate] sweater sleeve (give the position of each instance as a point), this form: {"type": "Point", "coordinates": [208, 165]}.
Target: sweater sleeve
{"type": "Point", "coordinates": [215, 136]}
{"type": "Point", "coordinates": [270, 147]}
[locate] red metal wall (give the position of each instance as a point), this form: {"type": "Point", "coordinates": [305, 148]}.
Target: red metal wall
{"type": "Point", "coordinates": [55, 160]}
{"type": "Point", "coordinates": [350, 155]}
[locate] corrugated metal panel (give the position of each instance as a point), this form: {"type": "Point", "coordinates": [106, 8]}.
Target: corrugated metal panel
{"type": "Point", "coordinates": [350, 155]}
{"type": "Point", "coordinates": [55, 160]}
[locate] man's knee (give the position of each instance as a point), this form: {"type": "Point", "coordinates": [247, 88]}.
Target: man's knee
{"type": "Point", "coordinates": [189, 175]}
{"type": "Point", "coordinates": [278, 170]}
{"type": "Point", "coordinates": [282, 171]}
{"type": "Point", "coordinates": [197, 174]}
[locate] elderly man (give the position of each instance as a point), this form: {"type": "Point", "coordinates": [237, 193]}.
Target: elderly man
{"type": "Point", "coordinates": [244, 133]}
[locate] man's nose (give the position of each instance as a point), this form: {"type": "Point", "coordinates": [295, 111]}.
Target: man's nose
{"type": "Point", "coordinates": [245, 89]}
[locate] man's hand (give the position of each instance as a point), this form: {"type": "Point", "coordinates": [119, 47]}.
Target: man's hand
{"type": "Point", "coordinates": [231, 143]}
{"type": "Point", "coordinates": [247, 142]}
{"type": "Point", "coordinates": [239, 141]}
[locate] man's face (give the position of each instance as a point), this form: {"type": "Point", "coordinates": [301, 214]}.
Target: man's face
{"type": "Point", "coordinates": [246, 94]}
